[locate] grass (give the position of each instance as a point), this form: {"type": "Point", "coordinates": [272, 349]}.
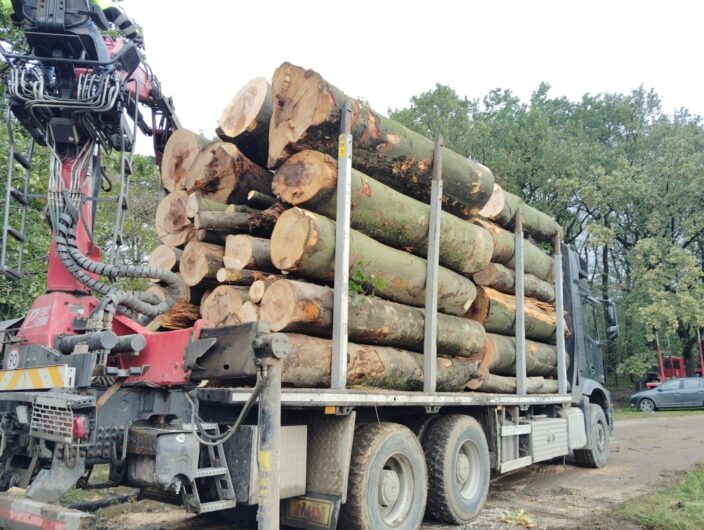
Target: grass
{"type": "Point", "coordinates": [673, 506]}
{"type": "Point", "coordinates": [626, 413]}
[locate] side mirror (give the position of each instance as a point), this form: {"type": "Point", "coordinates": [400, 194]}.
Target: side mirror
{"type": "Point", "coordinates": [612, 329]}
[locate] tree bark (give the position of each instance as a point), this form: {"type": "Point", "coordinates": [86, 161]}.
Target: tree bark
{"type": "Point", "coordinates": [200, 261]}
{"type": "Point", "coordinates": [197, 203]}
{"type": "Point", "coordinates": [309, 179]}
{"type": "Point", "coordinates": [165, 257]}
{"type": "Point", "coordinates": [180, 151]}
{"type": "Point", "coordinates": [258, 223]}
{"type": "Point", "coordinates": [173, 227]}
{"type": "Point", "coordinates": [503, 279]}
{"type": "Point", "coordinates": [304, 242]}
{"type": "Point", "coordinates": [503, 206]}
{"type": "Point", "coordinates": [247, 252]}
{"type": "Point", "coordinates": [304, 307]}
{"type": "Point", "coordinates": [536, 262]}
{"type": "Point", "coordinates": [309, 362]}
{"type": "Point", "coordinates": [221, 173]}
{"type": "Point", "coordinates": [307, 116]}
{"type": "Point", "coordinates": [497, 312]}
{"type": "Point", "coordinates": [257, 199]}
{"type": "Point", "coordinates": [221, 305]}
{"type": "Point", "coordinates": [243, 276]}
{"type": "Point", "coordinates": [181, 315]}
{"type": "Point", "coordinates": [501, 384]}
{"type": "Point", "coordinates": [248, 312]}
{"type": "Point", "coordinates": [245, 120]}
{"type": "Point", "coordinates": [500, 356]}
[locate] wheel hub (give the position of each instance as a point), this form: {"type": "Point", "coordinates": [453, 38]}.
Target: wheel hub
{"type": "Point", "coordinates": [389, 487]}
{"type": "Point", "coordinates": [600, 437]}
{"type": "Point", "coordinates": [462, 468]}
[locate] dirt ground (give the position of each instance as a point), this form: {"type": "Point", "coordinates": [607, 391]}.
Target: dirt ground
{"type": "Point", "coordinates": [553, 495]}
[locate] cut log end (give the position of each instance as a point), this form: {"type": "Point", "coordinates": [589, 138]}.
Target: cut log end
{"type": "Point", "coordinates": [495, 205]}
{"type": "Point", "coordinates": [244, 108]}
{"type": "Point", "coordinates": [301, 98]}
{"type": "Point", "coordinates": [292, 235]}
{"type": "Point", "coordinates": [303, 175]}
{"type": "Point", "coordinates": [221, 305]}
{"type": "Point", "coordinates": [248, 312]}
{"type": "Point", "coordinates": [180, 151]}
{"type": "Point", "coordinates": [164, 257]}
{"type": "Point", "coordinates": [173, 227]}
{"type": "Point", "coordinates": [200, 261]}
{"type": "Point", "coordinates": [278, 306]}
{"type": "Point", "coordinates": [257, 290]}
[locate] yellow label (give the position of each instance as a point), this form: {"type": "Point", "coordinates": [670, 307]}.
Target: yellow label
{"type": "Point", "coordinates": [342, 141]}
{"type": "Point", "coordinates": [316, 511]}
{"type": "Point", "coordinates": [264, 459]}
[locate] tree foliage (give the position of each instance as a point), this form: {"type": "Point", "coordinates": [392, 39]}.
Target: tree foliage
{"type": "Point", "coordinates": [625, 180]}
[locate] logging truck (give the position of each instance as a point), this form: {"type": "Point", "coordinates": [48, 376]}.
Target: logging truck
{"type": "Point", "coordinates": [286, 395]}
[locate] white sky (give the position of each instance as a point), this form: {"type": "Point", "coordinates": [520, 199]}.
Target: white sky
{"type": "Point", "coordinates": [203, 51]}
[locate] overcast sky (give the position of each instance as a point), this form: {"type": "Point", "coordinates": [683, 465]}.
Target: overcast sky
{"type": "Point", "coordinates": [387, 51]}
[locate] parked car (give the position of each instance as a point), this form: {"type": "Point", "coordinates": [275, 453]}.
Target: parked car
{"type": "Point", "coordinates": [675, 393]}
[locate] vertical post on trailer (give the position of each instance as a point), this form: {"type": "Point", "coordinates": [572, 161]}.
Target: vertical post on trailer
{"type": "Point", "coordinates": [560, 322]}
{"type": "Point", "coordinates": [430, 344]}
{"type": "Point", "coordinates": [269, 423]}
{"type": "Point", "coordinates": [701, 354]}
{"type": "Point", "coordinates": [520, 321]}
{"type": "Point", "coordinates": [342, 250]}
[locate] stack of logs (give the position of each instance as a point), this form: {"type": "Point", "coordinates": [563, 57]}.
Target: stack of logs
{"type": "Point", "coordinates": [249, 224]}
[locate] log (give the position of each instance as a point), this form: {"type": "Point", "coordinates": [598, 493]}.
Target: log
{"type": "Point", "coordinates": [499, 356]}
{"type": "Point", "coordinates": [307, 116]}
{"type": "Point", "coordinates": [259, 287]}
{"type": "Point", "coordinates": [536, 262]}
{"type": "Point", "coordinates": [203, 301]}
{"type": "Point", "coordinates": [242, 276]}
{"type": "Point", "coordinates": [501, 384]}
{"type": "Point", "coordinates": [180, 151]}
{"type": "Point", "coordinates": [257, 199]}
{"type": "Point", "coordinates": [496, 311]}
{"type": "Point", "coordinates": [173, 226]}
{"type": "Point", "coordinates": [222, 173]}
{"type": "Point", "coordinates": [309, 360]}
{"type": "Point", "coordinates": [245, 120]}
{"type": "Point", "coordinates": [200, 261]}
{"type": "Point", "coordinates": [503, 279]}
{"type": "Point", "coordinates": [182, 315]}
{"type": "Point", "coordinates": [305, 307]}
{"type": "Point", "coordinates": [247, 252]}
{"type": "Point", "coordinates": [304, 242]}
{"type": "Point", "coordinates": [165, 257]}
{"type": "Point", "coordinates": [197, 203]}
{"type": "Point", "coordinates": [221, 305]}
{"type": "Point", "coordinates": [503, 206]}
{"type": "Point", "coordinates": [248, 312]}
{"type": "Point", "coordinates": [260, 223]}
{"type": "Point", "coordinates": [309, 179]}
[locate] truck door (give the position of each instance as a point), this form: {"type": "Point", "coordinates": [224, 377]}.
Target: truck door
{"type": "Point", "coordinates": [692, 392]}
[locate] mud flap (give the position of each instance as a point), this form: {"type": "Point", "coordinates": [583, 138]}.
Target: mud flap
{"type": "Point", "coordinates": [20, 513]}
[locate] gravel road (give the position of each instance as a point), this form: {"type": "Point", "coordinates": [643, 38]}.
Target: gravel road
{"type": "Point", "coordinates": [554, 495]}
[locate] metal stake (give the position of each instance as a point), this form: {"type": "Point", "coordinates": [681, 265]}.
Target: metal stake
{"type": "Point", "coordinates": [560, 323]}
{"type": "Point", "coordinates": [701, 354]}
{"type": "Point", "coordinates": [342, 250]}
{"type": "Point", "coordinates": [520, 321]}
{"type": "Point", "coordinates": [269, 423]}
{"type": "Point", "coordinates": [660, 364]}
{"type": "Point", "coordinates": [430, 345]}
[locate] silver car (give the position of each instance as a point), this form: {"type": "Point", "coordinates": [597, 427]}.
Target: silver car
{"type": "Point", "coordinates": [674, 393]}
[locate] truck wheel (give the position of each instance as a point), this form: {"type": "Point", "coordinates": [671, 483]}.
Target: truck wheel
{"type": "Point", "coordinates": [388, 480]}
{"type": "Point", "coordinates": [599, 452]}
{"type": "Point", "coordinates": [457, 456]}
{"type": "Point", "coordinates": [646, 405]}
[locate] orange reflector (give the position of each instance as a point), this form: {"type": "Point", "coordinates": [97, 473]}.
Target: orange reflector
{"type": "Point", "coordinates": [330, 410]}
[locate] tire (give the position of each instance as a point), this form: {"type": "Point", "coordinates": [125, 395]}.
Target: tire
{"type": "Point", "coordinates": [646, 405]}
{"type": "Point", "coordinates": [457, 456]}
{"type": "Point", "coordinates": [388, 480]}
{"type": "Point", "coordinates": [598, 455]}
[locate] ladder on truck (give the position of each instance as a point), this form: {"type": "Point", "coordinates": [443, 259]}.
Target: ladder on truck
{"type": "Point", "coordinates": [14, 236]}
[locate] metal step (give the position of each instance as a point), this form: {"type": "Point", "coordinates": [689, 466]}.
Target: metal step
{"type": "Point", "coordinates": [19, 196]}
{"type": "Point", "coordinates": [23, 161]}
{"type": "Point", "coordinates": [11, 274]}
{"type": "Point", "coordinates": [210, 472]}
{"type": "Point", "coordinates": [214, 506]}
{"type": "Point", "coordinates": [15, 233]}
